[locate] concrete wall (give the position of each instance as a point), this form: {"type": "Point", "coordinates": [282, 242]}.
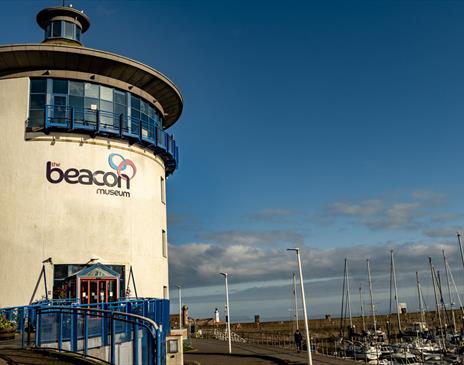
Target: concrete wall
{"type": "Point", "coordinates": [72, 223]}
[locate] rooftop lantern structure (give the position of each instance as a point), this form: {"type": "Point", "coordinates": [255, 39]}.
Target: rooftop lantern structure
{"type": "Point", "coordinates": [63, 25]}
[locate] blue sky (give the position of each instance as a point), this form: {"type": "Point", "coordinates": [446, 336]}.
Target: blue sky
{"type": "Point", "coordinates": [333, 126]}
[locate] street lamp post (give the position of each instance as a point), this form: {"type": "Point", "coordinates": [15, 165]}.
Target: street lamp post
{"type": "Point", "coordinates": [180, 306]}
{"type": "Point", "coordinates": [308, 344]}
{"type": "Point", "coordinates": [227, 311]}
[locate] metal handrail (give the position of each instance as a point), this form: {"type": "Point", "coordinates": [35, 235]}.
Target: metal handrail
{"type": "Point", "coordinates": [96, 121]}
{"type": "Point", "coordinates": [153, 329]}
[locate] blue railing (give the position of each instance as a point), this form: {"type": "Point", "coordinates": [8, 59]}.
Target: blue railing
{"type": "Point", "coordinates": [138, 324]}
{"type": "Point", "coordinates": [127, 338]}
{"type": "Point", "coordinates": [99, 122]}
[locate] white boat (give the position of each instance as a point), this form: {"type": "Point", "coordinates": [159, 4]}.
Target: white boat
{"type": "Point", "coordinates": [404, 357]}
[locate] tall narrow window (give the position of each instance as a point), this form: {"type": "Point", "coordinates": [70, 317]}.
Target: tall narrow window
{"type": "Point", "coordinates": [165, 292]}
{"type": "Point", "coordinates": [163, 190]}
{"type": "Point", "coordinates": [164, 243]}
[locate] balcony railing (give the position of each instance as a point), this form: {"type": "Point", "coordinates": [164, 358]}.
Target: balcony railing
{"type": "Point", "coordinates": [107, 124]}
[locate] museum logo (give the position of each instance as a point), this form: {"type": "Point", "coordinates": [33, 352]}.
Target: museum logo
{"type": "Point", "coordinates": [125, 170]}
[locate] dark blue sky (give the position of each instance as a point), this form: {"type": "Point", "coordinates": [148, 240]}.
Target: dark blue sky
{"type": "Point", "coordinates": [328, 125]}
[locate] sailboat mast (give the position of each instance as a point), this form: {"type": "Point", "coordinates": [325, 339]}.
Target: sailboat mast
{"type": "Point", "coordinates": [460, 248]}
{"type": "Point", "coordinates": [348, 294]}
{"type": "Point", "coordinates": [396, 292]}
{"type": "Point", "coordinates": [419, 296]}
{"type": "Point", "coordinates": [434, 281]}
{"type": "Point", "coordinates": [370, 294]}
{"type": "Point", "coordinates": [449, 291]}
{"type": "Point", "coordinates": [342, 316]}
{"type": "Point", "coordinates": [362, 309]}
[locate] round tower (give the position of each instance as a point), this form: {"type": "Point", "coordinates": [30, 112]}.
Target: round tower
{"type": "Point", "coordinates": [85, 155]}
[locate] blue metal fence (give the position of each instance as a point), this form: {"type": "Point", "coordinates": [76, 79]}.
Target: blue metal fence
{"type": "Point", "coordinates": [100, 122]}
{"type": "Point", "coordinates": [135, 328]}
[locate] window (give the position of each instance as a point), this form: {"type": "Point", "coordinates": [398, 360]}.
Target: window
{"type": "Point", "coordinates": [163, 190]}
{"type": "Point", "coordinates": [60, 86]}
{"type": "Point", "coordinates": [106, 93]}
{"type": "Point", "coordinates": [56, 29]}
{"type": "Point", "coordinates": [173, 346]}
{"type": "Point", "coordinates": [91, 90]}
{"type": "Point", "coordinates": [68, 30]}
{"type": "Point", "coordinates": [165, 292]}
{"type": "Point", "coordinates": [164, 243]}
{"type": "Point", "coordinates": [83, 99]}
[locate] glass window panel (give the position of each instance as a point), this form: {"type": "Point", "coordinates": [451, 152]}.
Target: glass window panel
{"type": "Point", "coordinates": [120, 97]}
{"type": "Point", "coordinates": [56, 32]}
{"type": "Point", "coordinates": [91, 103]}
{"type": "Point", "coordinates": [76, 88]}
{"type": "Point", "coordinates": [68, 30]}
{"type": "Point", "coordinates": [143, 107]}
{"type": "Point", "coordinates": [144, 117]}
{"type": "Point", "coordinates": [91, 90]}
{"type": "Point", "coordinates": [60, 86]}
{"type": "Point", "coordinates": [135, 113]}
{"type": "Point", "coordinates": [38, 86]}
{"type": "Point", "coordinates": [151, 112]}
{"type": "Point", "coordinates": [106, 120]}
{"type": "Point", "coordinates": [135, 102]}
{"type": "Point", "coordinates": [76, 101]}
{"type": "Point", "coordinates": [106, 93]}
{"type": "Point", "coordinates": [48, 31]}
{"type": "Point", "coordinates": [106, 106]}
{"type": "Point", "coordinates": [78, 33]}
{"type": "Point", "coordinates": [120, 109]}
{"type": "Point", "coordinates": [37, 101]}
{"type": "Point", "coordinates": [36, 118]}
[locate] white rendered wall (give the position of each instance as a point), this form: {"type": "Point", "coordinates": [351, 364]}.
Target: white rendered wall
{"type": "Point", "coordinates": [71, 223]}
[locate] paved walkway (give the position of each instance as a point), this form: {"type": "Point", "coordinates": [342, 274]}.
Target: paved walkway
{"type": "Point", "coordinates": [214, 352]}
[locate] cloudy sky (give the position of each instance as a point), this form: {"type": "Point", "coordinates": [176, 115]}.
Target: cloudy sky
{"type": "Point", "coordinates": [332, 126]}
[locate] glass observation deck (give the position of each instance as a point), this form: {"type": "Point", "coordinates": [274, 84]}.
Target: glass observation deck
{"type": "Point", "coordinates": [94, 122]}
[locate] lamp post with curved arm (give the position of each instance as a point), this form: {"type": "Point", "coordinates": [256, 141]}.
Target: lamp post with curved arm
{"type": "Point", "coordinates": [227, 310]}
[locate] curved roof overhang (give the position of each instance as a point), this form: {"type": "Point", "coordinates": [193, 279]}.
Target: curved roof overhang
{"type": "Point", "coordinates": [25, 60]}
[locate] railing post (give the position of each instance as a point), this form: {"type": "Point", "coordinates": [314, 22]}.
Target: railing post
{"type": "Point", "coordinates": [97, 115]}
{"type": "Point", "coordinates": [37, 328]}
{"type": "Point", "coordinates": [128, 310]}
{"type": "Point", "coordinates": [140, 129]}
{"type": "Point", "coordinates": [72, 118]}
{"type": "Point", "coordinates": [46, 117]}
{"type": "Point", "coordinates": [113, 341]}
{"type": "Point", "coordinates": [86, 334]}
{"type": "Point", "coordinates": [60, 334]}
{"type": "Point", "coordinates": [158, 347]}
{"type": "Point", "coordinates": [22, 316]}
{"type": "Point", "coordinates": [135, 344]}
{"type": "Point", "coordinates": [74, 323]}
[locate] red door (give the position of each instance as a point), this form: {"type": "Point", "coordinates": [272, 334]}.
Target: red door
{"type": "Point", "coordinates": [98, 291]}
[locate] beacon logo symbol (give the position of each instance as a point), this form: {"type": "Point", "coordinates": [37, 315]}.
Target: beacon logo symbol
{"type": "Point", "coordinates": [119, 163]}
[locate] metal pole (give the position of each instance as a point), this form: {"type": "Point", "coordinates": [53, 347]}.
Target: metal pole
{"type": "Point", "coordinates": [449, 291]}
{"type": "Point", "coordinates": [227, 310]}
{"type": "Point", "coordinates": [308, 343]}
{"type": "Point", "coordinates": [362, 308]}
{"type": "Point", "coordinates": [180, 305]}
{"type": "Point", "coordinates": [396, 293]}
{"type": "Point", "coordinates": [295, 298]}
{"type": "Point", "coordinates": [419, 296]}
{"type": "Point", "coordinates": [460, 248]}
{"type": "Point", "coordinates": [348, 294]}
{"type": "Point", "coordinates": [342, 310]}
{"type": "Point", "coordinates": [370, 293]}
